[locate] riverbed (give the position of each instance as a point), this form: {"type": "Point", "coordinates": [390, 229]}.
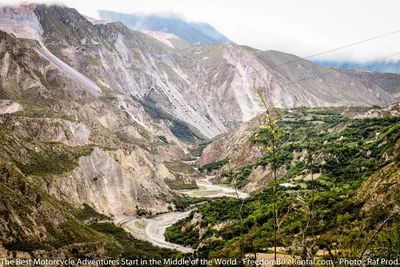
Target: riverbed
{"type": "Point", "coordinates": [153, 229]}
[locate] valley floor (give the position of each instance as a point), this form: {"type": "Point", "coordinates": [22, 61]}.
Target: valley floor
{"type": "Point", "coordinates": [153, 229]}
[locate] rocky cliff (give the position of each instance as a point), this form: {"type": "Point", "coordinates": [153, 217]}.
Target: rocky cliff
{"type": "Point", "coordinates": [209, 88]}
{"type": "Point", "coordinates": [95, 118]}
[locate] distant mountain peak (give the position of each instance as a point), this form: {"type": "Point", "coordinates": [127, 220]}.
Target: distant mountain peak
{"type": "Point", "coordinates": [191, 32]}
{"type": "Point", "coordinates": [167, 38]}
{"type": "Point", "coordinates": [384, 66]}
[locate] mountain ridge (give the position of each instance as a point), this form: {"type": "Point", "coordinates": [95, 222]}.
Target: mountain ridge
{"type": "Point", "coordinates": [191, 32]}
{"type": "Point", "coordinates": [95, 119]}
{"type": "Point", "coordinates": [184, 82]}
{"type": "Point", "coordinates": [388, 66]}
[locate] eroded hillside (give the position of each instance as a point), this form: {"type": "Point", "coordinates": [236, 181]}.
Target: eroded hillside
{"type": "Point", "coordinates": [95, 120]}
{"type": "Point", "coordinates": [337, 188]}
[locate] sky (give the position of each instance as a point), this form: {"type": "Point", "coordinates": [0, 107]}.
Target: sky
{"type": "Point", "coordinates": [300, 27]}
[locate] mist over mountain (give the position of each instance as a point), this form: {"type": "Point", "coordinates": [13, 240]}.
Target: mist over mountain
{"type": "Point", "coordinates": [377, 66]}
{"type": "Point", "coordinates": [103, 127]}
{"type": "Point", "coordinates": [192, 32]}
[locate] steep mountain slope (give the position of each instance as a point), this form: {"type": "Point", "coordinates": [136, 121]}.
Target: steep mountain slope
{"type": "Point", "coordinates": [94, 118]}
{"type": "Point", "coordinates": [169, 39]}
{"type": "Point", "coordinates": [337, 189]}
{"type": "Point", "coordinates": [388, 81]}
{"type": "Point", "coordinates": [208, 88]}
{"type": "Point", "coordinates": [197, 33]}
{"type": "Point", "coordinates": [324, 85]}
{"type": "Point", "coordinates": [109, 78]}
{"type": "Point", "coordinates": [36, 223]}
{"type": "Point", "coordinates": [68, 146]}
{"type": "Point", "coordinates": [126, 62]}
{"type": "Point", "coordinates": [58, 109]}
{"type": "Point", "coordinates": [240, 155]}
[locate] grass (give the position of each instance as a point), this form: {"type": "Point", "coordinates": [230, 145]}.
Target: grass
{"type": "Point", "coordinates": [185, 202]}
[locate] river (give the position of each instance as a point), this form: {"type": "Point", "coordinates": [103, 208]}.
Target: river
{"type": "Point", "coordinates": [153, 229]}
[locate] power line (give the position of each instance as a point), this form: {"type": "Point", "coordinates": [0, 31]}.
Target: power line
{"type": "Point", "coordinates": [330, 73]}
{"type": "Point", "coordinates": [326, 52]}
{"type": "Point", "coordinates": [339, 48]}
{"type": "Point", "coordinates": [321, 75]}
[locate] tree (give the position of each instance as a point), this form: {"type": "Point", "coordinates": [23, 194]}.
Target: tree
{"type": "Point", "coordinates": [237, 193]}
{"type": "Point", "coordinates": [267, 139]}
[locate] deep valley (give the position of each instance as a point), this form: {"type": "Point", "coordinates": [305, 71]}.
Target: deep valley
{"type": "Point", "coordinates": [125, 144]}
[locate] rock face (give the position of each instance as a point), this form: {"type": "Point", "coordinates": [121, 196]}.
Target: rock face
{"type": "Point", "coordinates": [115, 184]}
{"type": "Point", "coordinates": [83, 82]}
{"type": "Point", "coordinates": [49, 129]}
{"type": "Point", "coordinates": [210, 88]}
{"type": "Point", "coordinates": [66, 155]}
{"type": "Point", "coordinates": [169, 39]}
{"type": "Point", "coordinates": [320, 86]}
{"type": "Point", "coordinates": [389, 111]}
{"type": "Point", "coordinates": [91, 111]}
{"type": "Point", "coordinates": [9, 106]}
{"type": "Point", "coordinates": [57, 109]}
{"type": "Point", "coordinates": [235, 145]}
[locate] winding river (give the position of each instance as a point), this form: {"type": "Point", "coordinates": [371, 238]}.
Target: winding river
{"type": "Point", "coordinates": [153, 229]}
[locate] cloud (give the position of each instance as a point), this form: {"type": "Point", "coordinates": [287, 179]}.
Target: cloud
{"type": "Point", "coordinates": [300, 27]}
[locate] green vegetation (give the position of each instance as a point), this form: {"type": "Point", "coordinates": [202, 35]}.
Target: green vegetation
{"type": "Point", "coordinates": [214, 165]}
{"type": "Point", "coordinates": [47, 223]}
{"type": "Point", "coordinates": [174, 235]}
{"type": "Point", "coordinates": [198, 149]}
{"type": "Point", "coordinates": [180, 129]}
{"type": "Point", "coordinates": [181, 185]}
{"type": "Point", "coordinates": [53, 160]}
{"type": "Point", "coordinates": [92, 62]}
{"type": "Point", "coordinates": [39, 158]}
{"type": "Point", "coordinates": [185, 202]}
{"type": "Point", "coordinates": [87, 213]}
{"type": "Point", "coordinates": [179, 166]}
{"type": "Point", "coordinates": [238, 175]}
{"type": "Point", "coordinates": [215, 211]}
{"type": "Point", "coordinates": [184, 175]}
{"type": "Point", "coordinates": [133, 248]}
{"type": "Point", "coordinates": [332, 212]}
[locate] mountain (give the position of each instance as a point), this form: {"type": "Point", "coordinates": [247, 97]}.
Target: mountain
{"type": "Point", "coordinates": [376, 66]}
{"type": "Point", "coordinates": [191, 32]}
{"type": "Point", "coordinates": [95, 119]}
{"type": "Point", "coordinates": [208, 88]}
{"type": "Point", "coordinates": [198, 91]}
{"type": "Point", "coordinates": [69, 157]}
{"type": "Point", "coordinates": [238, 152]}
{"type": "Point", "coordinates": [169, 39]}
{"type": "Point", "coordinates": [337, 169]}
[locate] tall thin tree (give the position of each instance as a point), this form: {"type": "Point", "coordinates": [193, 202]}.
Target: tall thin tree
{"type": "Point", "coordinates": [267, 138]}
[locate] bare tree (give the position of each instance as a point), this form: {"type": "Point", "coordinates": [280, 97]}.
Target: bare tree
{"type": "Point", "coordinates": [395, 214]}
{"type": "Point", "coordinates": [268, 143]}
{"type": "Point", "coordinates": [308, 242]}
{"type": "Point", "coordinates": [237, 193]}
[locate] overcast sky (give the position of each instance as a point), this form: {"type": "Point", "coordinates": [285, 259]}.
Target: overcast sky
{"type": "Point", "coordinates": [300, 27]}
